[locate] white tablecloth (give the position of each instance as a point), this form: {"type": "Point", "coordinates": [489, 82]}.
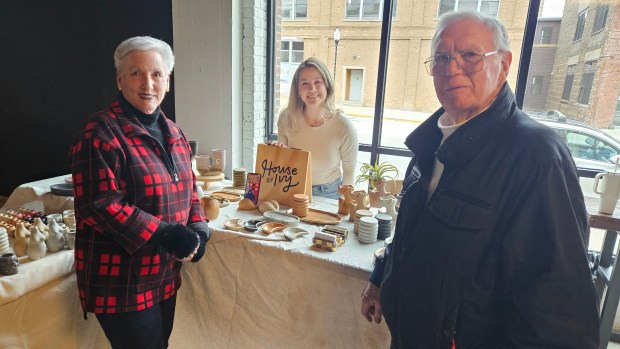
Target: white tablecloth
{"type": "Point", "coordinates": [37, 196]}
{"type": "Point", "coordinates": [245, 293]}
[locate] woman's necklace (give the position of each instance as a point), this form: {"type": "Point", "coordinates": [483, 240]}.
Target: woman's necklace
{"type": "Point", "coordinates": [315, 122]}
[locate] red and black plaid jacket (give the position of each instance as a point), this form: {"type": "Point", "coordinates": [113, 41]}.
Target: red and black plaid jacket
{"type": "Point", "coordinates": [124, 186]}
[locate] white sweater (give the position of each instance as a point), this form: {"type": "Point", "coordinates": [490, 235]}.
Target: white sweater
{"type": "Point", "coordinates": [333, 148]}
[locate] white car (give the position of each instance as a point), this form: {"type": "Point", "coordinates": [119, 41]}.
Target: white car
{"type": "Point", "coordinates": [591, 148]}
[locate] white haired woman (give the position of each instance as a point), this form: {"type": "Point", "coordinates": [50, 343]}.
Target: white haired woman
{"type": "Point", "coordinates": [137, 210]}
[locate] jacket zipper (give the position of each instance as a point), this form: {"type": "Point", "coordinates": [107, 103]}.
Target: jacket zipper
{"type": "Point", "coordinates": [170, 165]}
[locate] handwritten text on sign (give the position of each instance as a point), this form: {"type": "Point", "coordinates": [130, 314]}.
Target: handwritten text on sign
{"type": "Point", "coordinates": [279, 174]}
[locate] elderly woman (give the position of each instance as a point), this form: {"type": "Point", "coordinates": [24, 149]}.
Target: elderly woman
{"type": "Point", "coordinates": [137, 209]}
{"type": "Point", "coordinates": [312, 122]}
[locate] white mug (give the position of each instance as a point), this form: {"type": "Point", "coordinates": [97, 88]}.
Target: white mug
{"type": "Point", "coordinates": [609, 190]}
{"type": "Point", "coordinates": [219, 159]}
{"type": "Point", "coordinates": [203, 164]}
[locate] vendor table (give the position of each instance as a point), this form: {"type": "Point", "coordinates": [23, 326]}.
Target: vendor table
{"type": "Point", "coordinates": [249, 291]}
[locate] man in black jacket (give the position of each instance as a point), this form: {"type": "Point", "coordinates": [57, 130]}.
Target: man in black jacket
{"type": "Point", "coordinates": [490, 245]}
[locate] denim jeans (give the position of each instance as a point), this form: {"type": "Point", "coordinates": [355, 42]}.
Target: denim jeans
{"type": "Point", "coordinates": [145, 329]}
{"type": "Point", "coordinates": [327, 190]}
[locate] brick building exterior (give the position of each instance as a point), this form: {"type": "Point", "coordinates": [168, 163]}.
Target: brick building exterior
{"type": "Point", "coordinates": [409, 87]}
{"type": "Point", "coordinates": [585, 83]}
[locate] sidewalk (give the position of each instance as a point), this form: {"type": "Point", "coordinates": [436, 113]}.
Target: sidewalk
{"type": "Point", "coordinates": [391, 114]}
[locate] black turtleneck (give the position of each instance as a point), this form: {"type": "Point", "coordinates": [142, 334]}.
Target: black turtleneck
{"type": "Point", "coordinates": [150, 122]}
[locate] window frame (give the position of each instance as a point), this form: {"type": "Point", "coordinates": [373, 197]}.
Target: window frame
{"type": "Point", "coordinates": [457, 2]}
{"type": "Point", "coordinates": [600, 22]}
{"type": "Point", "coordinates": [536, 84]}
{"type": "Point", "coordinates": [293, 16]}
{"type": "Point", "coordinates": [581, 25]}
{"type": "Point", "coordinates": [360, 15]}
{"type": "Point", "coordinates": [541, 40]}
{"type": "Point", "coordinates": [587, 81]}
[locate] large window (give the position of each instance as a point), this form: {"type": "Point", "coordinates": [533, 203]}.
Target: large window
{"type": "Point", "coordinates": [489, 7]}
{"type": "Point", "coordinates": [545, 35]}
{"type": "Point", "coordinates": [366, 9]}
{"type": "Point", "coordinates": [294, 9]}
{"type": "Point", "coordinates": [581, 23]}
{"type": "Point", "coordinates": [586, 83]}
{"type": "Point", "coordinates": [291, 55]}
{"type": "Point", "coordinates": [600, 18]}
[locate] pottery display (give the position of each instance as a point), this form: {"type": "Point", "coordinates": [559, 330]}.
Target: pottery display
{"type": "Point", "coordinates": [8, 264]}
{"type": "Point", "coordinates": [55, 240]}
{"type": "Point", "coordinates": [22, 237]}
{"type": "Point", "coordinates": [239, 177]}
{"type": "Point", "coordinates": [4, 241]}
{"type": "Point", "coordinates": [344, 198]}
{"type": "Point", "coordinates": [211, 207]}
{"type": "Point", "coordinates": [36, 245]}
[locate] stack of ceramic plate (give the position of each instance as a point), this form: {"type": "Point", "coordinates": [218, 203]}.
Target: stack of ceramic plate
{"type": "Point", "coordinates": [300, 205]}
{"type": "Point", "coordinates": [368, 228]}
{"type": "Point", "coordinates": [239, 177]}
{"type": "Point", "coordinates": [385, 226]}
{"type": "Point", "coordinates": [4, 241]}
{"type": "Point", "coordinates": [358, 215]}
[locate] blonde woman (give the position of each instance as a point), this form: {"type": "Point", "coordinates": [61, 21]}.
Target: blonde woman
{"type": "Point", "coordinates": [311, 122]}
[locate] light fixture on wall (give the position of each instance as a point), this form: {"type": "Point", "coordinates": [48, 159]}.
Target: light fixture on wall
{"type": "Point", "coordinates": [336, 42]}
{"type": "Point", "coordinates": [357, 57]}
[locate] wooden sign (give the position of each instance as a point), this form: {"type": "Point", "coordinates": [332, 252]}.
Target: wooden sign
{"type": "Point", "coordinates": [284, 173]}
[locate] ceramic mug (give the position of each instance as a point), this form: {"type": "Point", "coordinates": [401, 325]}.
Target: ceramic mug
{"type": "Point", "coordinates": [219, 159]}
{"type": "Point", "coordinates": [70, 239]}
{"type": "Point", "coordinates": [607, 185]}
{"type": "Point", "coordinates": [55, 216]}
{"type": "Point", "coordinates": [203, 164]}
{"type": "Point", "coordinates": [69, 219]}
{"type": "Point", "coordinates": [8, 264]}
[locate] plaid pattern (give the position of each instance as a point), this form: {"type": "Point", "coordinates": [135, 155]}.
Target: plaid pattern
{"type": "Point", "coordinates": [124, 187]}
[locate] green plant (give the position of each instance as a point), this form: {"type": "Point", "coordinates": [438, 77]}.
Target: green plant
{"type": "Point", "coordinates": [372, 173]}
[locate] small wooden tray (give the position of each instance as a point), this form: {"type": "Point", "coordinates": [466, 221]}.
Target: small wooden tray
{"type": "Point", "coordinates": [232, 197]}
{"type": "Point", "coordinates": [319, 217]}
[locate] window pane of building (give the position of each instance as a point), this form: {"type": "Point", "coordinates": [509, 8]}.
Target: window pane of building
{"type": "Point", "coordinates": [545, 35]}
{"type": "Point", "coordinates": [600, 18]}
{"type": "Point", "coordinates": [537, 83]}
{"type": "Point", "coordinates": [301, 9]}
{"type": "Point", "coordinates": [568, 85]}
{"type": "Point", "coordinates": [586, 88]}
{"type": "Point", "coordinates": [446, 6]}
{"type": "Point", "coordinates": [371, 9]}
{"type": "Point", "coordinates": [467, 5]}
{"type": "Point", "coordinates": [581, 23]}
{"type": "Point", "coordinates": [353, 8]}
{"type": "Point", "coordinates": [489, 7]}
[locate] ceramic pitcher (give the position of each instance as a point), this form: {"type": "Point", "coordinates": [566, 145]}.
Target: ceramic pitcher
{"type": "Point", "coordinates": [56, 240]}
{"type": "Point", "coordinates": [389, 203]}
{"type": "Point", "coordinates": [22, 236]}
{"type": "Point", "coordinates": [36, 244]}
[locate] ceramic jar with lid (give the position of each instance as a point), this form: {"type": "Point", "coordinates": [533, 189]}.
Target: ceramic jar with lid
{"type": "Point", "coordinates": [8, 264]}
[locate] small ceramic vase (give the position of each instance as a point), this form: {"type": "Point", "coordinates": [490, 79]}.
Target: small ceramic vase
{"type": "Point", "coordinates": [373, 197]}
{"type": "Point", "coordinates": [344, 198]}
{"type": "Point", "coordinates": [8, 264]}
{"type": "Point", "coordinates": [210, 206]}
{"type": "Point", "coordinates": [389, 202]}
{"type": "Point", "coordinates": [36, 245]}
{"type": "Point", "coordinates": [218, 157]}
{"type": "Point", "coordinates": [70, 239]}
{"type": "Point", "coordinates": [56, 240]}
{"type": "Point", "coordinates": [380, 184]}
{"type": "Point", "coordinates": [44, 229]}
{"type": "Point", "coordinates": [361, 197]}
{"type": "Point", "coordinates": [22, 237]}
{"type": "Point", "coordinates": [352, 209]}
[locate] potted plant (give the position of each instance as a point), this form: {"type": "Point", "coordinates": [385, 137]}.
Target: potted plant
{"type": "Point", "coordinates": [377, 174]}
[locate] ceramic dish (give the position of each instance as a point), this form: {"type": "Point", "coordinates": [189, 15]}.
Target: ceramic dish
{"type": "Point", "coordinates": [292, 233]}
{"type": "Point", "coordinates": [252, 225]}
{"type": "Point", "coordinates": [272, 227]}
{"type": "Point", "coordinates": [233, 224]}
{"type": "Point", "coordinates": [69, 180]}
{"type": "Point", "coordinates": [62, 189]}
{"type": "Point", "coordinates": [280, 217]}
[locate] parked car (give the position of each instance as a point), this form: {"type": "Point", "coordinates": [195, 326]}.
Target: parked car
{"type": "Point", "coordinates": [591, 148]}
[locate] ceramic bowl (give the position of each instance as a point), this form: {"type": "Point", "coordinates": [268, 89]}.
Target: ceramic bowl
{"type": "Point", "coordinates": [252, 225]}
{"type": "Point", "coordinates": [292, 233]}
{"type": "Point", "coordinates": [272, 227]}
{"type": "Point", "coordinates": [233, 224]}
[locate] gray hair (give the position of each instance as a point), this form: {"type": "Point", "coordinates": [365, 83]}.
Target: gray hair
{"type": "Point", "coordinates": [495, 26]}
{"type": "Point", "coordinates": [294, 111]}
{"type": "Point", "coordinates": [143, 43]}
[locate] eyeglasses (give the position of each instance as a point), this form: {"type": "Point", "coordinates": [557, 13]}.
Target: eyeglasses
{"type": "Point", "coordinates": [469, 62]}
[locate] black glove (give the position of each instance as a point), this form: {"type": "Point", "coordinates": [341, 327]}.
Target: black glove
{"type": "Point", "coordinates": [204, 232]}
{"type": "Point", "coordinates": [176, 239]}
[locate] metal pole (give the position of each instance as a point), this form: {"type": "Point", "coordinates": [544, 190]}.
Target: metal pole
{"type": "Point", "coordinates": [335, 60]}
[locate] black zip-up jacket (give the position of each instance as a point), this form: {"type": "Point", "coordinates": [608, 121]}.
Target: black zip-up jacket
{"type": "Point", "coordinates": [497, 257]}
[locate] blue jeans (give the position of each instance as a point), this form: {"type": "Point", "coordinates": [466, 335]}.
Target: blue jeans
{"type": "Point", "coordinates": [327, 190]}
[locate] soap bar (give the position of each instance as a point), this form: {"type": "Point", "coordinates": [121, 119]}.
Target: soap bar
{"type": "Point", "coordinates": [325, 237]}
